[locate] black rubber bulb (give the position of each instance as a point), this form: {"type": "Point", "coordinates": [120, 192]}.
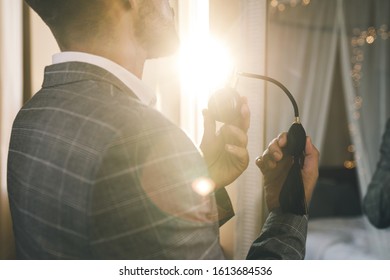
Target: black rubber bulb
{"type": "Point", "coordinates": [292, 196]}
{"type": "Point", "coordinates": [225, 105]}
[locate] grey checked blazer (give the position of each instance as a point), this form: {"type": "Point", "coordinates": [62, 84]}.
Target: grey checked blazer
{"type": "Point", "coordinates": [95, 174]}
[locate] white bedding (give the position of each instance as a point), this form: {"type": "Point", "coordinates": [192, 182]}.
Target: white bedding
{"type": "Point", "coordinates": [338, 239]}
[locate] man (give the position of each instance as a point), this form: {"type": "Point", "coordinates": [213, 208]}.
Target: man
{"type": "Point", "coordinates": [376, 203]}
{"type": "Point", "coordinates": [95, 172]}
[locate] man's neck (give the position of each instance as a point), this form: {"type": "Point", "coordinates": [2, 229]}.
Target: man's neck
{"type": "Point", "coordinates": [131, 58]}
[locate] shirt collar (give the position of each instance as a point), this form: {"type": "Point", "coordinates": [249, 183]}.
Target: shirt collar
{"type": "Point", "coordinates": [140, 89]}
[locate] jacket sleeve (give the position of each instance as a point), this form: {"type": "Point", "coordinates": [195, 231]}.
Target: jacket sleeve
{"type": "Point", "coordinates": [283, 237]}
{"type": "Point", "coordinates": [144, 203]}
{"type": "Point", "coordinates": [224, 206]}
{"type": "Point", "coordinates": [376, 204]}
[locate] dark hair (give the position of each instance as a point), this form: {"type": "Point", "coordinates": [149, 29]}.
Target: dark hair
{"type": "Point", "coordinates": [71, 18]}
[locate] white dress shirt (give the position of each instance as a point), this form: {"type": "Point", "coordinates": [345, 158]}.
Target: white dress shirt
{"type": "Point", "coordinates": [141, 90]}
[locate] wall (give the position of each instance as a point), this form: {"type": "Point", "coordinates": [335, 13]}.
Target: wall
{"type": "Point", "coordinates": [10, 101]}
{"type": "Point", "coordinates": [43, 46]}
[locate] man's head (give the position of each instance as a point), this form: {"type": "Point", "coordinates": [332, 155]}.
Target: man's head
{"type": "Point", "coordinates": [149, 23]}
{"type": "Point", "coordinates": [155, 27]}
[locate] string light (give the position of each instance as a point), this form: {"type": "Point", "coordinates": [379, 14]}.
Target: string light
{"type": "Point", "coordinates": [349, 164]}
{"type": "Point", "coordinates": [359, 40]}
{"type": "Point", "coordinates": [358, 102]}
{"type": "Point", "coordinates": [356, 115]}
{"type": "Point", "coordinates": [293, 3]}
{"type": "Point", "coordinates": [282, 5]}
{"type": "Point", "coordinates": [274, 3]}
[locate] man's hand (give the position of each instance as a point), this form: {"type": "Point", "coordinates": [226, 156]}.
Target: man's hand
{"type": "Point", "coordinates": [225, 150]}
{"type": "Point", "coordinates": [275, 166]}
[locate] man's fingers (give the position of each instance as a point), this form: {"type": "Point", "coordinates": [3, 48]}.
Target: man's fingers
{"type": "Point", "coordinates": [276, 145]}
{"type": "Point", "coordinates": [282, 139]}
{"type": "Point", "coordinates": [273, 154]}
{"type": "Point", "coordinates": [265, 163]}
{"type": "Point", "coordinates": [240, 153]}
{"type": "Point", "coordinates": [234, 135]}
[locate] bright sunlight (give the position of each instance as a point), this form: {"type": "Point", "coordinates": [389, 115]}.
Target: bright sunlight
{"type": "Point", "coordinates": [204, 62]}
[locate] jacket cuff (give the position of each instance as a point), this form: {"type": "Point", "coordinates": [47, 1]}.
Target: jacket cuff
{"type": "Point", "coordinates": [224, 206]}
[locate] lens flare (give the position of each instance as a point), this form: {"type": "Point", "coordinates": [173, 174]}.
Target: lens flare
{"type": "Point", "coordinates": [203, 186]}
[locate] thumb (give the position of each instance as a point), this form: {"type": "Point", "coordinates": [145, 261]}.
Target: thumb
{"type": "Point", "coordinates": [310, 170]}
{"type": "Point", "coordinates": [311, 155]}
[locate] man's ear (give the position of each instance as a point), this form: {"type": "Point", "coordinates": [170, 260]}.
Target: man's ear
{"type": "Point", "coordinates": [127, 3]}
{"type": "Point", "coordinates": [130, 4]}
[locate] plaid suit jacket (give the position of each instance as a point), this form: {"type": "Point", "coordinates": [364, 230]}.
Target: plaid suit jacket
{"type": "Point", "coordinates": [95, 174]}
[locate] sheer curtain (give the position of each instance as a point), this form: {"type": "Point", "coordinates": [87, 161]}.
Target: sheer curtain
{"type": "Point", "coordinates": [303, 41]}
{"type": "Point", "coordinates": [302, 45]}
{"type": "Point", "coordinates": [366, 54]}
{"type": "Point", "coordinates": [365, 48]}
{"type": "Point", "coordinates": [11, 95]}
{"type": "Point", "coordinates": [250, 210]}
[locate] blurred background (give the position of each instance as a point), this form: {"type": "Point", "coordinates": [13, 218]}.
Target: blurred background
{"type": "Point", "coordinates": [334, 57]}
